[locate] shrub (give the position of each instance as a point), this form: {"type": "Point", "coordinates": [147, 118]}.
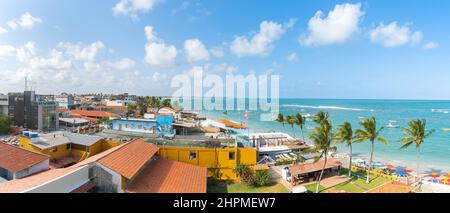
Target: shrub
{"type": "Point", "coordinates": [262, 178]}
{"type": "Point", "coordinates": [258, 178]}
{"type": "Point", "coordinates": [5, 125]}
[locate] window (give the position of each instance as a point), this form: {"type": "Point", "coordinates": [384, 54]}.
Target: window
{"type": "Point", "coordinates": [232, 155]}
{"type": "Point", "coordinates": [192, 155]}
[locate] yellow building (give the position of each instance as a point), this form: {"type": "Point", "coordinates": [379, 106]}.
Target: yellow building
{"type": "Point", "coordinates": [220, 161]}
{"type": "Point", "coordinates": [65, 148]}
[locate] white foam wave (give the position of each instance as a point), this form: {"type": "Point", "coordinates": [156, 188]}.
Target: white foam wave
{"type": "Point", "coordinates": [445, 111]}
{"type": "Point", "coordinates": [325, 107]}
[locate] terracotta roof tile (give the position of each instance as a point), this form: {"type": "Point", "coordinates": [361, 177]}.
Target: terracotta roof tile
{"type": "Point", "coordinates": [129, 159]}
{"type": "Point", "coordinates": [89, 113]}
{"type": "Point", "coordinates": [16, 159]}
{"type": "Point", "coordinates": [168, 176]}
{"type": "Point", "coordinates": [304, 168]}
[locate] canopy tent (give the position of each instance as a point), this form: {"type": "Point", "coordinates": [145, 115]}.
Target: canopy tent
{"type": "Point", "coordinates": [401, 173]}
{"type": "Point", "coordinates": [435, 175]}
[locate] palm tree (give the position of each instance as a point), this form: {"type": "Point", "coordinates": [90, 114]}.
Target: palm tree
{"type": "Point", "coordinates": [372, 134]}
{"type": "Point", "coordinates": [300, 121]}
{"type": "Point", "coordinates": [416, 134]}
{"type": "Point", "coordinates": [290, 119]}
{"type": "Point", "coordinates": [280, 119]}
{"type": "Point", "coordinates": [323, 138]}
{"type": "Point", "coordinates": [320, 116]}
{"type": "Point", "coordinates": [345, 135]}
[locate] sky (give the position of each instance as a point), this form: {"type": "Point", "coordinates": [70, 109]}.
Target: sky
{"type": "Point", "coordinates": [320, 49]}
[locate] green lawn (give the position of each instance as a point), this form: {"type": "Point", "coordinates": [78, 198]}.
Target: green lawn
{"type": "Point", "coordinates": [230, 187]}
{"type": "Point", "coordinates": [312, 188]}
{"type": "Point", "coordinates": [352, 185]}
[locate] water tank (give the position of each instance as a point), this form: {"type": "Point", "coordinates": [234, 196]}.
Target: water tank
{"type": "Point", "coordinates": [26, 133]}
{"type": "Point", "coordinates": [33, 134]}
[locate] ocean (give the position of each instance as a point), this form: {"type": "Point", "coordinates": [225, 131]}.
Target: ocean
{"type": "Point", "coordinates": [435, 152]}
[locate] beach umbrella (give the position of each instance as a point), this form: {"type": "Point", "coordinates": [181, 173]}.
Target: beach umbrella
{"type": "Point", "coordinates": [391, 167]}
{"type": "Point", "coordinates": [402, 173]}
{"type": "Point", "coordinates": [407, 170]}
{"type": "Point", "coordinates": [447, 175]}
{"type": "Point", "coordinates": [434, 175]}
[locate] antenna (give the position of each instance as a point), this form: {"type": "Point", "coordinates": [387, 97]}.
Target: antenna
{"type": "Point", "coordinates": [26, 83]}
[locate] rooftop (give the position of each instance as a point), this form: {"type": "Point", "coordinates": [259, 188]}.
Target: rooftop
{"type": "Point", "coordinates": [16, 159]}
{"type": "Point", "coordinates": [74, 120]}
{"type": "Point", "coordinates": [50, 140]}
{"type": "Point", "coordinates": [304, 168]}
{"type": "Point", "coordinates": [89, 113]}
{"type": "Point", "coordinates": [128, 160]}
{"type": "Point", "coordinates": [168, 176]}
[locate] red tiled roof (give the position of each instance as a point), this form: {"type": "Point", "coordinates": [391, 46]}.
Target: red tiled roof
{"type": "Point", "coordinates": [168, 176]}
{"type": "Point", "coordinates": [89, 113]}
{"type": "Point", "coordinates": [61, 110]}
{"type": "Point", "coordinates": [129, 159]}
{"type": "Point", "coordinates": [89, 119]}
{"type": "Point", "coordinates": [304, 168]}
{"type": "Point", "coordinates": [16, 159]}
{"type": "Point", "coordinates": [20, 185]}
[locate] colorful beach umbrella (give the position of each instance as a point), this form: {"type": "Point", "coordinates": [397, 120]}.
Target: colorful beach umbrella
{"type": "Point", "coordinates": [402, 173]}
{"type": "Point", "coordinates": [390, 167]}
{"type": "Point", "coordinates": [434, 175]}
{"type": "Point", "coordinates": [447, 175]}
{"type": "Point", "coordinates": [407, 170]}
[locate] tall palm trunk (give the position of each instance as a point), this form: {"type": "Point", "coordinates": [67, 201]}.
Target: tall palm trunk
{"type": "Point", "coordinates": [418, 163]}
{"type": "Point", "coordinates": [321, 173]}
{"type": "Point", "coordinates": [293, 131]}
{"type": "Point", "coordinates": [370, 163]}
{"type": "Point", "coordinates": [303, 135]}
{"type": "Point", "coordinates": [350, 163]}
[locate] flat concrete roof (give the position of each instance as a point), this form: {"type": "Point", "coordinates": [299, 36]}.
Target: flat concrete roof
{"type": "Point", "coordinates": [50, 140]}
{"type": "Point", "coordinates": [74, 120]}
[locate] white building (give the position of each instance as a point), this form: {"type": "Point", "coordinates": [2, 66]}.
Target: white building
{"type": "Point", "coordinates": [3, 104]}
{"type": "Point", "coordinates": [64, 100]}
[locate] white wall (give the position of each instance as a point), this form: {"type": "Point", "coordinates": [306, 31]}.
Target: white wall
{"type": "Point", "coordinates": [435, 187]}
{"type": "Point", "coordinates": [39, 167]}
{"type": "Point", "coordinates": [64, 184]}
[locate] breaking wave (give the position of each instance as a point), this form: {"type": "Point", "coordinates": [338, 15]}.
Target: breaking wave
{"type": "Point", "coordinates": [325, 107]}
{"type": "Point", "coordinates": [445, 111]}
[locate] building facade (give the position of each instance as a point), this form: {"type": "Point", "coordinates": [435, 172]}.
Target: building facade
{"type": "Point", "coordinates": [31, 111]}
{"type": "Point", "coordinates": [64, 100]}
{"type": "Point", "coordinates": [3, 104]}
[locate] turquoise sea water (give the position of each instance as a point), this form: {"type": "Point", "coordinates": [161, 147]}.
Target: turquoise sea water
{"type": "Point", "coordinates": [435, 152]}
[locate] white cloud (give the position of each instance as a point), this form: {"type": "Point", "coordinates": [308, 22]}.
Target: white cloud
{"type": "Point", "coordinates": [79, 52]}
{"type": "Point", "coordinates": [292, 57]}
{"type": "Point", "coordinates": [217, 52]}
{"type": "Point", "coordinates": [123, 64]}
{"type": "Point", "coordinates": [393, 35]}
{"type": "Point", "coordinates": [132, 7]}
{"type": "Point", "coordinates": [340, 24]}
{"type": "Point", "coordinates": [195, 50]}
{"type": "Point", "coordinates": [157, 53]}
{"type": "Point", "coordinates": [7, 51]}
{"type": "Point", "coordinates": [431, 45]}
{"type": "Point", "coordinates": [26, 21]}
{"type": "Point", "coordinates": [67, 67]}
{"type": "Point", "coordinates": [3, 30]}
{"type": "Point", "coordinates": [262, 42]}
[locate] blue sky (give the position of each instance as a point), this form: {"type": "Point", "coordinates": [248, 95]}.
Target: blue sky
{"type": "Point", "coordinates": [353, 49]}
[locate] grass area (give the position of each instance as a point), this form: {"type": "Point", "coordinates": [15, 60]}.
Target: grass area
{"type": "Point", "coordinates": [351, 186]}
{"type": "Point", "coordinates": [237, 187]}
{"type": "Point", "coordinates": [312, 188]}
